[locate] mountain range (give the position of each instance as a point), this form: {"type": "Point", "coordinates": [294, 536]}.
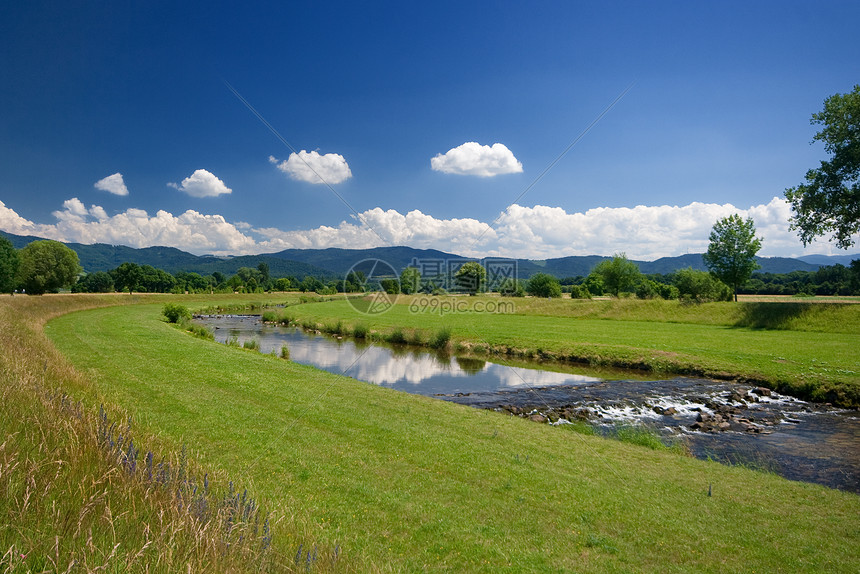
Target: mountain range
{"type": "Point", "coordinates": [336, 262]}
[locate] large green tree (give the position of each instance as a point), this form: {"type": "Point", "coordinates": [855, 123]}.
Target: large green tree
{"type": "Point", "coordinates": [410, 280]}
{"type": "Point", "coordinates": [47, 265]}
{"type": "Point", "coordinates": [829, 201]}
{"type": "Point", "coordinates": [471, 277]}
{"type": "Point", "coordinates": [618, 274]}
{"type": "Point", "coordinates": [731, 253]}
{"type": "Point", "coordinates": [8, 265]}
{"type": "Point", "coordinates": [127, 276]}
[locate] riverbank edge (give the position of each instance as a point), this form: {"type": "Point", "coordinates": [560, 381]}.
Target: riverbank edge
{"type": "Point", "coordinates": [661, 363]}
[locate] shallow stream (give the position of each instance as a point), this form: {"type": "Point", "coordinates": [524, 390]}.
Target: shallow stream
{"type": "Point", "coordinates": [716, 419]}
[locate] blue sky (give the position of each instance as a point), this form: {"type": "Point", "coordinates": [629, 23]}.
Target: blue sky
{"type": "Point", "coordinates": [715, 121]}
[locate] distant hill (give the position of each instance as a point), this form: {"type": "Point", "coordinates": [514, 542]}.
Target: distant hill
{"type": "Point", "coordinates": [830, 259]}
{"type": "Point", "coordinates": [341, 261]}
{"type": "Point", "coordinates": [103, 257]}
{"type": "Point", "coordinates": [335, 262]}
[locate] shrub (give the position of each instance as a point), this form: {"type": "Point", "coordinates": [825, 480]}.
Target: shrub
{"type": "Point", "coordinates": [441, 339]}
{"type": "Point", "coordinates": [701, 286]}
{"type": "Point", "coordinates": [646, 289]}
{"type": "Point", "coordinates": [396, 337]}
{"type": "Point", "coordinates": [511, 288]}
{"type": "Point", "coordinates": [668, 291]}
{"type": "Point", "coordinates": [579, 292]}
{"type": "Point", "coordinates": [360, 331]}
{"type": "Point", "coordinates": [175, 312]}
{"type": "Point", "coordinates": [251, 344]}
{"type": "Point", "coordinates": [285, 352]}
{"type": "Point", "coordinates": [416, 338]}
{"type": "Point", "coordinates": [544, 285]}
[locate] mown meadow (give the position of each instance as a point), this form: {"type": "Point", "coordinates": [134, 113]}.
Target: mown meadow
{"type": "Point", "coordinates": [388, 481]}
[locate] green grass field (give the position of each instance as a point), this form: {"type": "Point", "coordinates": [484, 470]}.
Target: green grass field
{"type": "Point", "coordinates": [805, 349]}
{"type": "Point", "coordinates": [402, 483]}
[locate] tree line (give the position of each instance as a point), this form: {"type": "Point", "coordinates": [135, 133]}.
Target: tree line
{"type": "Point", "coordinates": [46, 266]}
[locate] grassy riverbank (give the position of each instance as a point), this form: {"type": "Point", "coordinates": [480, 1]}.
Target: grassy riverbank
{"type": "Point", "coordinates": [86, 491]}
{"type": "Point", "coordinates": [804, 349]}
{"type": "Point", "coordinates": [402, 482]}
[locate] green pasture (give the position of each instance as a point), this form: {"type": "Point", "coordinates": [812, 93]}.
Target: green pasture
{"type": "Point", "coordinates": [406, 483]}
{"type": "Point", "coordinates": [805, 349]}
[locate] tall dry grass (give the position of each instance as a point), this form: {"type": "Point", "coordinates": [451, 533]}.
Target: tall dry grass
{"type": "Point", "coordinates": [79, 492]}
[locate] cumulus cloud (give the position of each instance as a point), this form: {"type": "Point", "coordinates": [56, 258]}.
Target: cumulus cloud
{"type": "Point", "coordinates": [190, 231]}
{"type": "Point", "coordinates": [112, 184]}
{"type": "Point", "coordinates": [312, 167]}
{"type": "Point", "coordinates": [538, 232]}
{"type": "Point", "coordinates": [377, 227]}
{"type": "Point", "coordinates": [11, 222]}
{"type": "Point", "coordinates": [472, 158]}
{"type": "Point", "coordinates": [202, 183]}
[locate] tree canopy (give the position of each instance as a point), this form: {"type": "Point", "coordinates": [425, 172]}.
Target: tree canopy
{"type": "Point", "coordinates": [731, 253]}
{"type": "Point", "coordinates": [829, 200]}
{"type": "Point", "coordinates": [471, 277]}
{"type": "Point", "coordinates": [127, 276]}
{"type": "Point", "coordinates": [47, 265]}
{"type": "Point", "coordinates": [618, 274]}
{"type": "Point", "coordinates": [410, 280]}
{"type": "Point", "coordinates": [544, 285]}
{"type": "Point", "coordinates": [8, 265]}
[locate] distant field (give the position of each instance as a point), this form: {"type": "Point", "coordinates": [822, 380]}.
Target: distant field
{"type": "Point", "coordinates": [402, 482]}
{"type": "Point", "coordinates": [790, 298]}
{"type": "Point", "coordinates": [807, 349]}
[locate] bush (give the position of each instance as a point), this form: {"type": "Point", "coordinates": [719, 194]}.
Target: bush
{"type": "Point", "coordinates": [285, 352]}
{"type": "Point", "coordinates": [251, 344]}
{"type": "Point", "coordinates": [360, 331]}
{"type": "Point", "coordinates": [701, 286]}
{"type": "Point", "coordinates": [512, 288]}
{"type": "Point", "coordinates": [396, 337]}
{"type": "Point", "coordinates": [579, 292]}
{"type": "Point", "coordinates": [647, 289]}
{"type": "Point", "coordinates": [544, 285]}
{"type": "Point", "coordinates": [668, 291]}
{"type": "Point", "coordinates": [441, 339]}
{"type": "Point", "coordinates": [175, 312]}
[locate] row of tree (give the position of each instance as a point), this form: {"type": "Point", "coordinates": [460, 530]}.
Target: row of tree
{"type": "Point", "coordinates": [45, 266]}
{"type": "Point", "coordinates": [39, 267]}
{"type": "Point", "coordinates": [131, 277]}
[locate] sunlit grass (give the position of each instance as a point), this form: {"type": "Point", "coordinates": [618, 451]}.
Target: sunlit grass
{"type": "Point", "coordinates": [90, 492]}
{"type": "Point", "coordinates": [404, 483]}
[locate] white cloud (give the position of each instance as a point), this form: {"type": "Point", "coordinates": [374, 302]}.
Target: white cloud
{"type": "Point", "coordinates": [202, 183]}
{"type": "Point", "coordinates": [538, 232]}
{"type": "Point", "coordinates": [312, 167]}
{"type": "Point", "coordinates": [472, 158]}
{"type": "Point", "coordinates": [189, 231]}
{"type": "Point", "coordinates": [11, 222]}
{"type": "Point", "coordinates": [112, 184]}
{"type": "Point", "coordinates": [542, 232]}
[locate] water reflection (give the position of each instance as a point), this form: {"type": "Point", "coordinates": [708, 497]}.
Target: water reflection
{"type": "Point", "coordinates": [400, 367]}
